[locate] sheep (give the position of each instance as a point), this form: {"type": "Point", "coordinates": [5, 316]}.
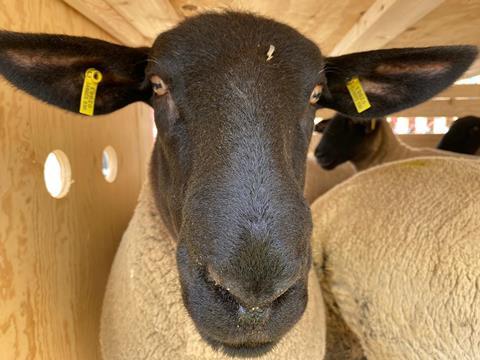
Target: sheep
{"type": "Point", "coordinates": [398, 253]}
{"type": "Point", "coordinates": [144, 294]}
{"type": "Point", "coordinates": [318, 181]}
{"type": "Point", "coordinates": [365, 144]}
{"type": "Point", "coordinates": [234, 98]}
{"type": "Point", "coordinates": [463, 136]}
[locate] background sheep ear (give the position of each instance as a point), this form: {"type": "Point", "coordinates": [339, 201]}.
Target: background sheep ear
{"type": "Point", "coordinates": [320, 127]}
{"type": "Point", "coordinates": [52, 68]}
{"type": "Point", "coordinates": [393, 79]}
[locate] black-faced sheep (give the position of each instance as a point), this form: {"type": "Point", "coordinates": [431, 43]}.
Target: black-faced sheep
{"type": "Point", "coordinates": [234, 97]}
{"type": "Point", "coordinates": [365, 144]}
{"type": "Point", "coordinates": [463, 136]}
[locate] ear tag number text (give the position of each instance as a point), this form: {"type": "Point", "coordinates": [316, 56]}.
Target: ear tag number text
{"type": "Point", "coordinates": [89, 91]}
{"type": "Point", "coordinates": [358, 95]}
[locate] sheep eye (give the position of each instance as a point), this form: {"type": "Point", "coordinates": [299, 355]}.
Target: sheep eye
{"type": "Point", "coordinates": [315, 95]}
{"type": "Point", "coordinates": [158, 85]}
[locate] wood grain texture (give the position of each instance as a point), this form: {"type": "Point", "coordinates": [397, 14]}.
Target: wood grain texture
{"type": "Point", "coordinates": [107, 18]}
{"type": "Point", "coordinates": [453, 22]}
{"type": "Point", "coordinates": [383, 22]}
{"type": "Point", "coordinates": [461, 91]}
{"type": "Point", "coordinates": [324, 22]}
{"type": "Point", "coordinates": [55, 255]}
{"type": "Point", "coordinates": [149, 17]}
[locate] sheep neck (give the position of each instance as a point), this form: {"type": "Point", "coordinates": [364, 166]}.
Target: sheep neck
{"type": "Point", "coordinates": [385, 147]}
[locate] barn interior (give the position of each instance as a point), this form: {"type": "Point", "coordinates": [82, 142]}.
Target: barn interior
{"type": "Point", "coordinates": [69, 184]}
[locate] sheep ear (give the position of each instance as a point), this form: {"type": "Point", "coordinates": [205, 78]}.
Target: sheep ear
{"type": "Point", "coordinates": [52, 68]}
{"type": "Point", "coordinates": [393, 79]}
{"type": "Point", "coordinates": [320, 127]}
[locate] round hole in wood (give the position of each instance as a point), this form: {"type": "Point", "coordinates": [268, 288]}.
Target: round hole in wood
{"type": "Point", "coordinates": [109, 164]}
{"type": "Point", "coordinates": [57, 174]}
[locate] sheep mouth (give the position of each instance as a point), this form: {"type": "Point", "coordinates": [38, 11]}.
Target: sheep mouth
{"type": "Point", "coordinates": [327, 164]}
{"type": "Point", "coordinates": [215, 312]}
{"type": "Point", "coordinates": [248, 350]}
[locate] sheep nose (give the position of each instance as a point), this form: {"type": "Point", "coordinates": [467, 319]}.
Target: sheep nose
{"type": "Point", "coordinates": [252, 317]}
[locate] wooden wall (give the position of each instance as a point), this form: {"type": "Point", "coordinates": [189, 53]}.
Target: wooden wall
{"type": "Point", "coordinates": [55, 255]}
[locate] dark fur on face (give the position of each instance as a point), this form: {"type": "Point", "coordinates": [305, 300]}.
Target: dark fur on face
{"type": "Point", "coordinates": [233, 189]}
{"type": "Point", "coordinates": [463, 136]}
{"type": "Point", "coordinates": [229, 160]}
{"type": "Point", "coordinates": [344, 139]}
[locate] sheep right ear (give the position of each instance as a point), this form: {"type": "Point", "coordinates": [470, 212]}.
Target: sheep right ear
{"type": "Point", "coordinates": [53, 68]}
{"type": "Point", "coordinates": [392, 79]}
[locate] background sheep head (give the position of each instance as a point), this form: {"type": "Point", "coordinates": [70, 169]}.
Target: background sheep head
{"type": "Point", "coordinates": [346, 139]}
{"type": "Point", "coordinates": [234, 119]}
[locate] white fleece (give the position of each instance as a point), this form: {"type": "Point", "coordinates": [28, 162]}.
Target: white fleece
{"type": "Point", "coordinates": [143, 313]}
{"type": "Point", "coordinates": [397, 248]}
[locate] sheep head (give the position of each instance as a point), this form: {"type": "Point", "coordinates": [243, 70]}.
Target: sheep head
{"type": "Point", "coordinates": [234, 97]}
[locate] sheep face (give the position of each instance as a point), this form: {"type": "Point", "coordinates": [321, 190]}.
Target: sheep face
{"type": "Point", "coordinates": [463, 136]}
{"type": "Point", "coordinates": [343, 140]}
{"type": "Point", "coordinates": [234, 97]}
{"type": "Point", "coordinates": [230, 188]}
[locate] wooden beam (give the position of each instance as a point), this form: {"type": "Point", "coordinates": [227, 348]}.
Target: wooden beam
{"type": "Point", "coordinates": [149, 17]}
{"type": "Point", "coordinates": [382, 22]}
{"type": "Point", "coordinates": [461, 91]}
{"type": "Point", "coordinates": [103, 15]}
{"type": "Point", "coordinates": [443, 108]}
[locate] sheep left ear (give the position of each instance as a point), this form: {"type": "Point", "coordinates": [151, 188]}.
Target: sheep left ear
{"type": "Point", "coordinates": [393, 79]}
{"type": "Point", "coordinates": [53, 68]}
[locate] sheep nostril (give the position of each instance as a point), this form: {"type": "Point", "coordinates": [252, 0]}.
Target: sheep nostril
{"type": "Point", "coordinates": [252, 317]}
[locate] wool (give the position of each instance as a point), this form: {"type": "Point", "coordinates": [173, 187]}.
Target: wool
{"type": "Point", "coordinates": [397, 249]}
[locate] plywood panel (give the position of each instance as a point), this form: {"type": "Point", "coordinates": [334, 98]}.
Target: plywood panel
{"type": "Point", "coordinates": [55, 255]}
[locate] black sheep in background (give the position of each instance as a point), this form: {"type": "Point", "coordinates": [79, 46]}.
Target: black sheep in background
{"type": "Point", "coordinates": [463, 136]}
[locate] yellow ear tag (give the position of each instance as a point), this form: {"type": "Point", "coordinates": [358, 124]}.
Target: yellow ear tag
{"type": "Point", "coordinates": [358, 95]}
{"type": "Point", "coordinates": [89, 91]}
